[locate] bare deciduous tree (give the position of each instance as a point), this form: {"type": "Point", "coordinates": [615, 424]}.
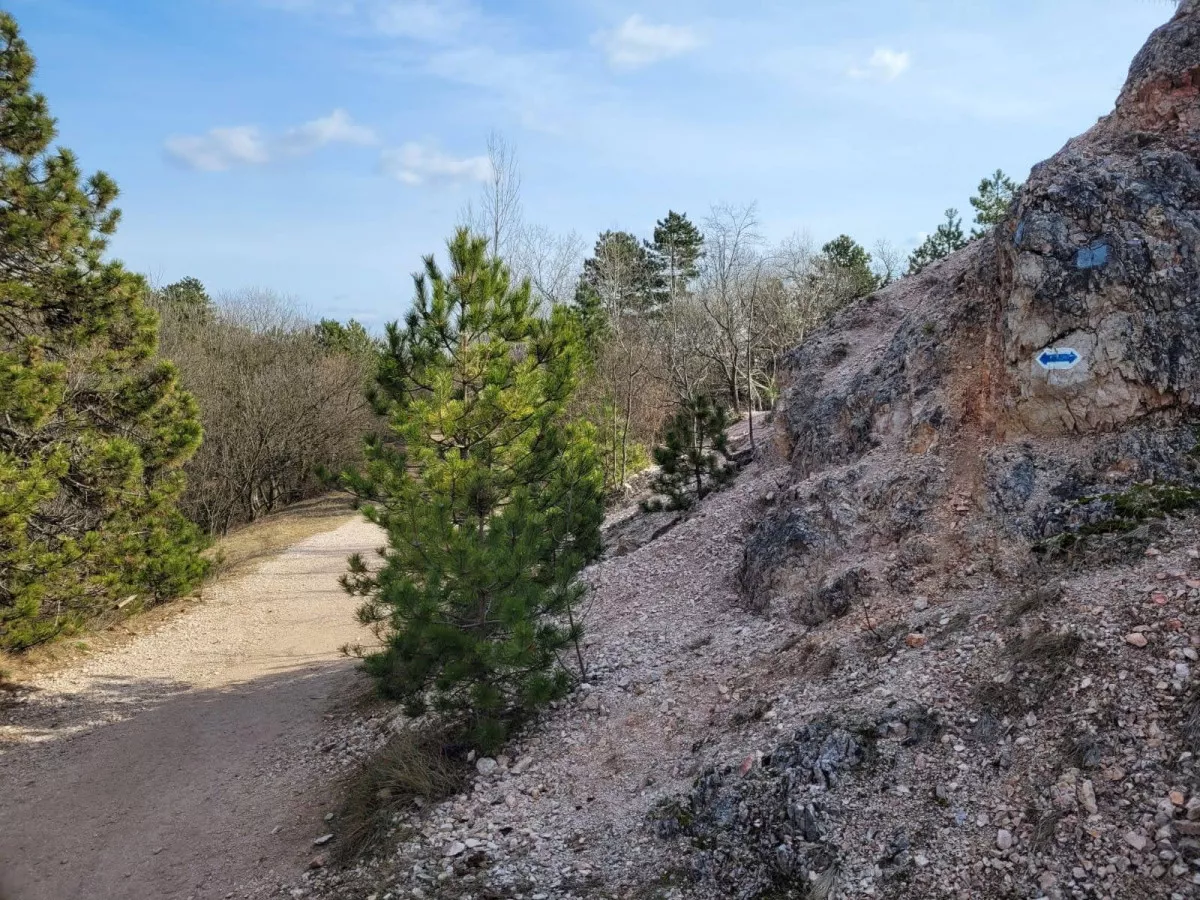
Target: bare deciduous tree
{"type": "Point", "coordinates": [498, 214]}
{"type": "Point", "coordinates": [276, 406]}
{"type": "Point", "coordinates": [552, 262]}
{"type": "Point", "coordinates": [729, 279]}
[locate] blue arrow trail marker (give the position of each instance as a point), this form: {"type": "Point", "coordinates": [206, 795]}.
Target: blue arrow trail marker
{"type": "Point", "coordinates": [1058, 358]}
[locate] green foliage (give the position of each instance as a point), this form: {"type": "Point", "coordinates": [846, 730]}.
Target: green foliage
{"type": "Point", "coordinates": [948, 238]}
{"type": "Point", "coordinates": [845, 258]}
{"type": "Point", "coordinates": [623, 275]}
{"type": "Point", "coordinates": [351, 338]}
{"type": "Point", "coordinates": [491, 507]}
{"type": "Point", "coordinates": [676, 251]}
{"type": "Point", "coordinates": [991, 203]}
{"type": "Point", "coordinates": [593, 319]}
{"type": "Point", "coordinates": [187, 299]}
{"type": "Point", "coordinates": [92, 433]}
{"type": "Point", "coordinates": [691, 457]}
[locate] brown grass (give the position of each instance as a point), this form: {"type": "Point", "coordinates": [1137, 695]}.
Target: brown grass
{"type": "Point", "coordinates": [241, 550]}
{"type": "Point", "coordinates": [412, 764]}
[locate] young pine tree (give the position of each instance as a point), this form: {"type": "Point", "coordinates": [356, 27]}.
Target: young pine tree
{"type": "Point", "coordinates": [991, 203]}
{"type": "Point", "coordinates": [947, 239]}
{"type": "Point", "coordinates": [491, 500]}
{"type": "Point", "coordinates": [92, 433]}
{"type": "Point", "coordinates": [691, 457]}
{"type": "Point", "coordinates": [845, 265]}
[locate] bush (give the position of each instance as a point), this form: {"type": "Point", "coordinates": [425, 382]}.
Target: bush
{"type": "Point", "coordinates": [282, 400]}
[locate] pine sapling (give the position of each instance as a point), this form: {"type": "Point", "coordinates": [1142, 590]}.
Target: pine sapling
{"type": "Point", "coordinates": [694, 456]}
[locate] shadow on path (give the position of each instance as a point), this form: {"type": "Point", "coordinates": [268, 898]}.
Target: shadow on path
{"type": "Point", "coordinates": [176, 799]}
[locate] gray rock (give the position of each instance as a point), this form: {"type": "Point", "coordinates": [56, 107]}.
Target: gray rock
{"type": "Point", "coordinates": [1098, 254]}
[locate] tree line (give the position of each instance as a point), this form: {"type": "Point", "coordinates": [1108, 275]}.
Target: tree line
{"type": "Point", "coordinates": [283, 401]}
{"type": "Point", "coordinates": [698, 307]}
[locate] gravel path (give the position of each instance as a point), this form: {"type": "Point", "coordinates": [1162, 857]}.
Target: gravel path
{"type": "Point", "coordinates": [183, 764]}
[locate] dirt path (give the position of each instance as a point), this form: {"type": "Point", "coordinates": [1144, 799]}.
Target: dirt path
{"type": "Point", "coordinates": [183, 764]}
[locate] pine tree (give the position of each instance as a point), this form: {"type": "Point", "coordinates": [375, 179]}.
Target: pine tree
{"type": "Point", "coordinates": [991, 204]}
{"type": "Point", "coordinates": [675, 252]}
{"type": "Point", "coordinates": [847, 263]}
{"type": "Point", "coordinates": [491, 507]}
{"type": "Point", "coordinates": [92, 432]}
{"type": "Point", "coordinates": [188, 300]}
{"type": "Point", "coordinates": [351, 338]}
{"type": "Point", "coordinates": [691, 458]}
{"type": "Point", "coordinates": [623, 276]}
{"type": "Point", "coordinates": [947, 239]}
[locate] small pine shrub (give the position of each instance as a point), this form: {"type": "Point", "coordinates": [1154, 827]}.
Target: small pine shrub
{"type": "Point", "coordinates": [693, 456]}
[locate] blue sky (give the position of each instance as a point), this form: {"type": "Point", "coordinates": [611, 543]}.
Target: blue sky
{"type": "Point", "coordinates": [321, 147]}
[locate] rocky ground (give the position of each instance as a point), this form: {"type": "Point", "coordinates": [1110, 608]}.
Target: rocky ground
{"type": "Point", "coordinates": [939, 640]}
{"type": "Point", "coordinates": [965, 738]}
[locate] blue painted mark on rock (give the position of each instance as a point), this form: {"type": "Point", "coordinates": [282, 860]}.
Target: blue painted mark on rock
{"type": "Point", "coordinates": [1020, 233]}
{"type": "Point", "coordinates": [1092, 257]}
{"type": "Point", "coordinates": [1058, 358]}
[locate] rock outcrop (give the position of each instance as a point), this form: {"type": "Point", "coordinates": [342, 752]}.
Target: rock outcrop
{"type": "Point", "coordinates": [981, 405]}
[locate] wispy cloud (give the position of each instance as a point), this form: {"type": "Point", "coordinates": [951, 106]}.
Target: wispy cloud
{"type": "Point", "coordinates": [417, 164]}
{"type": "Point", "coordinates": [220, 149]}
{"type": "Point", "coordinates": [637, 43]}
{"type": "Point", "coordinates": [428, 21]}
{"type": "Point", "coordinates": [335, 128]}
{"type": "Point", "coordinates": [884, 65]}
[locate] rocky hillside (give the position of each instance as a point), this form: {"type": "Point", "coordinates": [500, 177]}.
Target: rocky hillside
{"type": "Point", "coordinates": [938, 640]}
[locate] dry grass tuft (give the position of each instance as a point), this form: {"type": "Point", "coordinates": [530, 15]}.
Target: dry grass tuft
{"type": "Point", "coordinates": [1190, 725]}
{"type": "Point", "coordinates": [413, 764]}
{"type": "Point", "coordinates": [1046, 648]}
{"type": "Point", "coordinates": [1032, 600]}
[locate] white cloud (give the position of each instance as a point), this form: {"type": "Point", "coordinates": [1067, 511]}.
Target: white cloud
{"type": "Point", "coordinates": [416, 164]}
{"type": "Point", "coordinates": [637, 43]}
{"type": "Point", "coordinates": [884, 64]}
{"type": "Point", "coordinates": [335, 128]}
{"type": "Point", "coordinates": [220, 149]}
{"type": "Point", "coordinates": [429, 21]}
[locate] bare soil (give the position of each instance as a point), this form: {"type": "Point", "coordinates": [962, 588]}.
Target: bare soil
{"type": "Point", "coordinates": [186, 761]}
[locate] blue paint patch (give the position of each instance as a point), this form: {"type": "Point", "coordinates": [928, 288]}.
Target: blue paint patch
{"type": "Point", "coordinates": [1020, 233]}
{"type": "Point", "coordinates": [1092, 257]}
{"type": "Point", "coordinates": [1058, 358]}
